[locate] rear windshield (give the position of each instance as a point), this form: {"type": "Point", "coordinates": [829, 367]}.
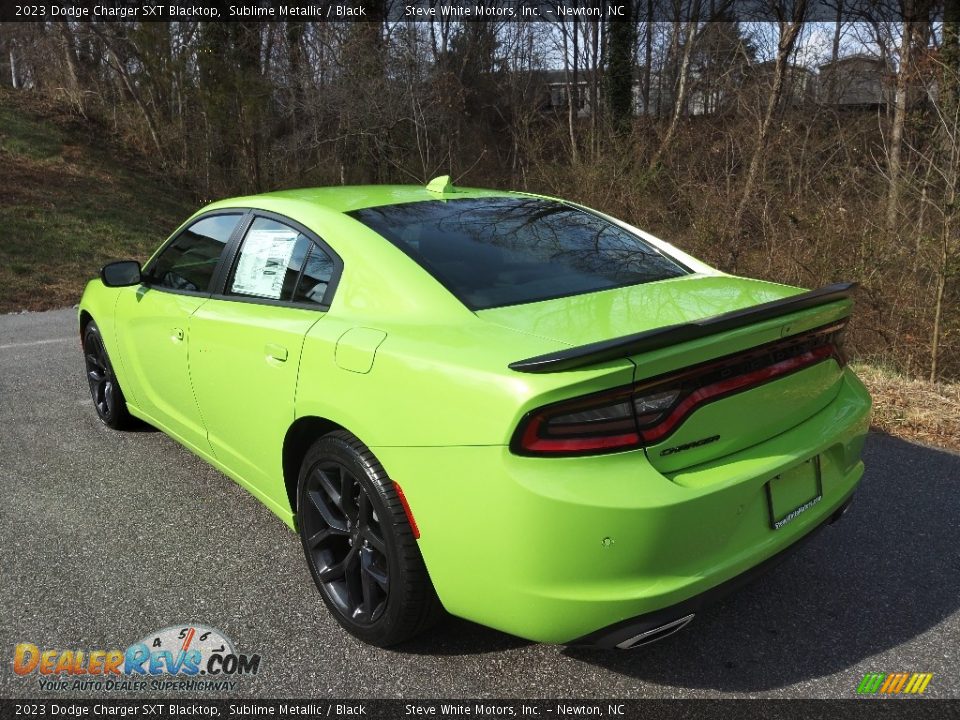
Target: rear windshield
{"type": "Point", "coordinates": [497, 251]}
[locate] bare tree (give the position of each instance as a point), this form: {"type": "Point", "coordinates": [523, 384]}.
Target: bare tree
{"type": "Point", "coordinates": [789, 26]}
{"type": "Point", "coordinates": [571, 67]}
{"type": "Point", "coordinates": [947, 162]}
{"type": "Point", "coordinates": [680, 96]}
{"type": "Point", "coordinates": [896, 130]}
{"type": "Point", "coordinates": [14, 82]}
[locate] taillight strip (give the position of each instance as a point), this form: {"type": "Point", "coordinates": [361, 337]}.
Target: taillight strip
{"type": "Point", "coordinates": [536, 436]}
{"type": "Point", "coordinates": [534, 443]}
{"type": "Point", "coordinates": [703, 395]}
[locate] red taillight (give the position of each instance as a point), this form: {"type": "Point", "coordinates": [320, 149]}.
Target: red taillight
{"type": "Point", "coordinates": [601, 423]}
{"type": "Point", "coordinates": [649, 411]}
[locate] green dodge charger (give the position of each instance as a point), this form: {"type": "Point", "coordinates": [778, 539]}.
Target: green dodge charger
{"type": "Point", "coordinates": [506, 406]}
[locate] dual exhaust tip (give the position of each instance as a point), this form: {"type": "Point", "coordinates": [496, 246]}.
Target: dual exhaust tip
{"type": "Point", "coordinates": [657, 633]}
{"type": "Point", "coordinates": [667, 629]}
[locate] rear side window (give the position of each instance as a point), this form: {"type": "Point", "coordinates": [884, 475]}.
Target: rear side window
{"type": "Point", "coordinates": [188, 262]}
{"type": "Point", "coordinates": [499, 251]}
{"type": "Point", "coordinates": [315, 278]}
{"type": "Point", "coordinates": [278, 262]}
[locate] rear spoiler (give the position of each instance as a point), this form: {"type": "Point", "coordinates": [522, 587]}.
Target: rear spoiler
{"type": "Point", "coordinates": [673, 334]}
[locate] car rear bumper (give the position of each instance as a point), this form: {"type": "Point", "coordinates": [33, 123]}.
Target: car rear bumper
{"type": "Point", "coordinates": [650, 627]}
{"type": "Point", "coordinates": [562, 549]}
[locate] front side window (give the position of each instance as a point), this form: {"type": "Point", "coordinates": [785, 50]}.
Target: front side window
{"type": "Point", "coordinates": [188, 262]}
{"type": "Point", "coordinates": [500, 251]}
{"type": "Point", "coordinates": [278, 262]}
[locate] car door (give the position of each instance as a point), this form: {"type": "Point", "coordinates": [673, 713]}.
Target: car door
{"type": "Point", "coordinates": [153, 324]}
{"type": "Point", "coordinates": [246, 342]}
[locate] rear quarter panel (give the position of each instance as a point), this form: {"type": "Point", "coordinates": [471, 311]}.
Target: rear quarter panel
{"type": "Point", "coordinates": [435, 385]}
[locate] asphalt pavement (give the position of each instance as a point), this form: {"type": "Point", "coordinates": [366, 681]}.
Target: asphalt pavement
{"type": "Point", "coordinates": [109, 536]}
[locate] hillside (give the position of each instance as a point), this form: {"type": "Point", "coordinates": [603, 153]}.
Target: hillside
{"type": "Point", "coordinates": [69, 202]}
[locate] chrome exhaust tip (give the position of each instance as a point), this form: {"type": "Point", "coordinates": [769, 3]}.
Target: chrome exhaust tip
{"type": "Point", "coordinates": [841, 511]}
{"type": "Point", "coordinates": [657, 633]}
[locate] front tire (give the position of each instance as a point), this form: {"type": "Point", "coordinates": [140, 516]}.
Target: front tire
{"type": "Point", "coordinates": [359, 546]}
{"type": "Point", "coordinates": [108, 399]}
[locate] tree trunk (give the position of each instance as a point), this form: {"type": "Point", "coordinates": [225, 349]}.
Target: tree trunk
{"type": "Point", "coordinates": [896, 132]}
{"type": "Point", "coordinates": [938, 303]}
{"type": "Point", "coordinates": [145, 111]}
{"type": "Point", "coordinates": [831, 89]}
{"type": "Point", "coordinates": [73, 73]}
{"type": "Point", "coordinates": [572, 89]}
{"type": "Point", "coordinates": [648, 58]}
{"type": "Point", "coordinates": [681, 98]}
{"type": "Point", "coordinates": [13, 65]}
{"type": "Point", "coordinates": [594, 88]}
{"type": "Point", "coordinates": [788, 38]}
{"type": "Point", "coordinates": [619, 80]}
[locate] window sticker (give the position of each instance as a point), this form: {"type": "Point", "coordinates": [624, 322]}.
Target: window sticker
{"type": "Point", "coordinates": [263, 263]}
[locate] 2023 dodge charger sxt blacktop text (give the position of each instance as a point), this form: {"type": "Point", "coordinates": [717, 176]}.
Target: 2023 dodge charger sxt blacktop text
{"type": "Point", "coordinates": [509, 406]}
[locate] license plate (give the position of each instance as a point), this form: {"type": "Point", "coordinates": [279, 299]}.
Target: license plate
{"type": "Point", "coordinates": [793, 492]}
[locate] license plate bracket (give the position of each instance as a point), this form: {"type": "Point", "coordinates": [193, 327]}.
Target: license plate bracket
{"type": "Point", "coordinates": [793, 492]}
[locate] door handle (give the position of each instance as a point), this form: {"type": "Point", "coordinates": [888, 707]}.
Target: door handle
{"type": "Point", "coordinates": [176, 335]}
{"type": "Point", "coordinates": [276, 352]}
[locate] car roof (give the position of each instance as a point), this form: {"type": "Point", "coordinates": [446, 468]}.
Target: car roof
{"type": "Point", "coordinates": [347, 198]}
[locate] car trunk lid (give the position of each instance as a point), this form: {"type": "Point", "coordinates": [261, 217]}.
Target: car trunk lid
{"type": "Point", "coordinates": [594, 317]}
{"type": "Point", "coordinates": [748, 359]}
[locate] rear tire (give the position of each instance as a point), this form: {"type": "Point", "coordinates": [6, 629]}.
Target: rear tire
{"type": "Point", "coordinates": [108, 399]}
{"type": "Point", "coordinates": [359, 545]}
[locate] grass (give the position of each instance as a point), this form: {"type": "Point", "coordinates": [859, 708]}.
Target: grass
{"type": "Point", "coordinates": [69, 202]}
{"type": "Point", "coordinates": [29, 137]}
{"type": "Point", "coordinates": [913, 409]}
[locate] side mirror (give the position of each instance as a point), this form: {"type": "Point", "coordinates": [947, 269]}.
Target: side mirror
{"type": "Point", "coordinates": [120, 274]}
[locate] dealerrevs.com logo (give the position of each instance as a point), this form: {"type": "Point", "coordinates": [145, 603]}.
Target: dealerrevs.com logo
{"type": "Point", "coordinates": [188, 657]}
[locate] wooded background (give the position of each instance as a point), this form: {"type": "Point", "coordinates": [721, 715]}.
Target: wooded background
{"type": "Point", "coordinates": [721, 135]}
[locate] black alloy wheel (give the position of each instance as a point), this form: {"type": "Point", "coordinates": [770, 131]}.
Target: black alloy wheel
{"type": "Point", "coordinates": [359, 545]}
{"type": "Point", "coordinates": [343, 539]}
{"type": "Point", "coordinates": [105, 390]}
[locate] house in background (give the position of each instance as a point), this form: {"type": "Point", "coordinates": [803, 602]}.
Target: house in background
{"type": "Point", "coordinates": [856, 81]}
{"type": "Point", "coordinates": [928, 71]}
{"type": "Point", "coordinates": [800, 83]}
{"type": "Point", "coordinates": [558, 87]}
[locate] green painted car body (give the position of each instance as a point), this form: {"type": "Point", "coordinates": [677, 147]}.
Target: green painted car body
{"type": "Point", "coordinates": [547, 548]}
